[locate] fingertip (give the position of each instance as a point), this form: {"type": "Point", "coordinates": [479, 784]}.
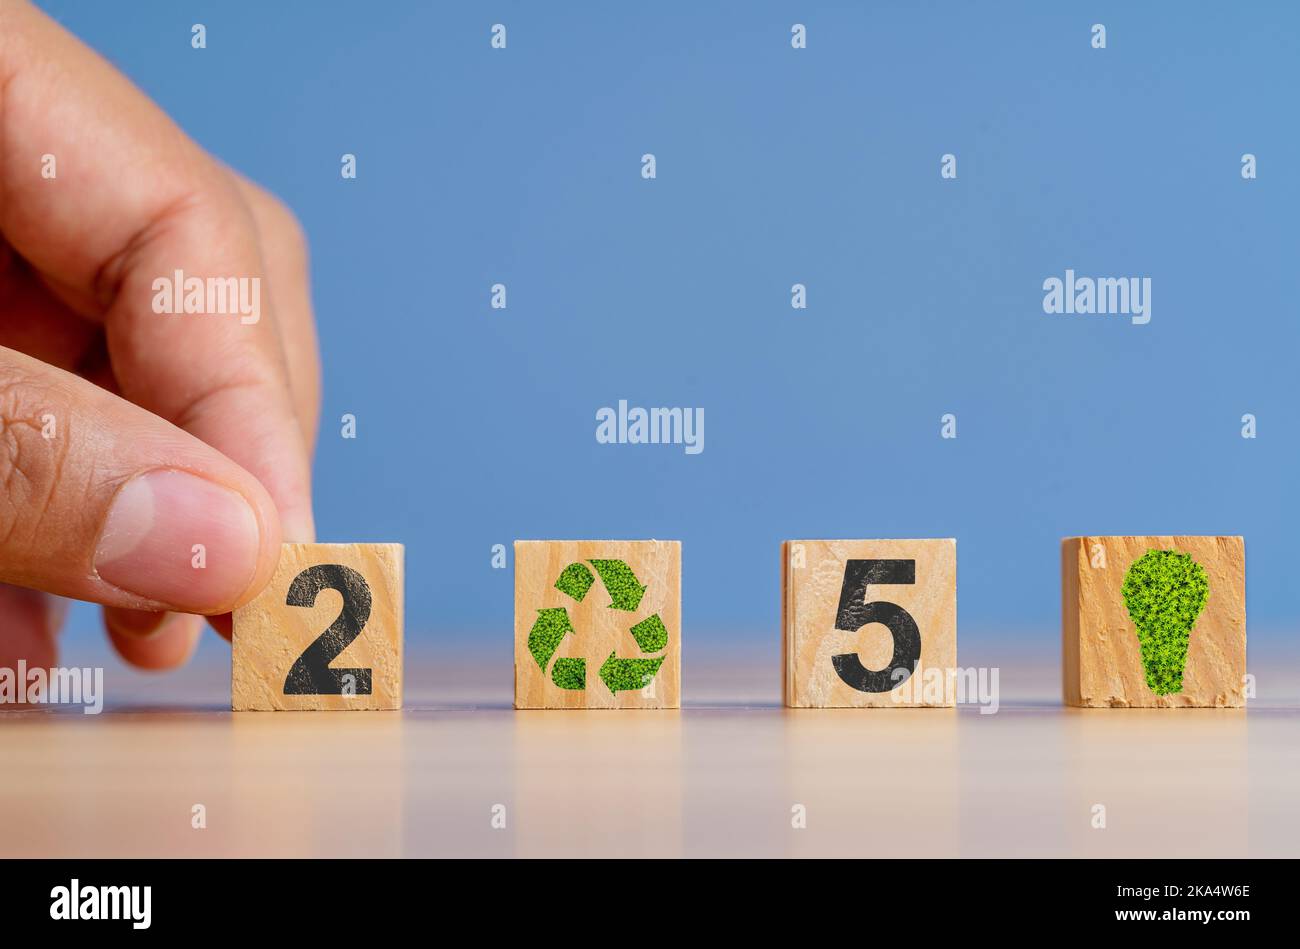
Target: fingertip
{"type": "Point", "coordinates": [136, 623]}
{"type": "Point", "coordinates": [271, 533]}
{"type": "Point", "coordinates": [169, 646]}
{"type": "Point", "coordinates": [299, 527]}
{"type": "Point", "coordinates": [195, 543]}
{"type": "Point", "coordinates": [30, 621]}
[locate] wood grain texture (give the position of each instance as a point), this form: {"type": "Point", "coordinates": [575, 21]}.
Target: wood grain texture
{"type": "Point", "coordinates": [600, 630]}
{"type": "Point", "coordinates": [270, 635]}
{"type": "Point", "coordinates": [1100, 651]}
{"type": "Point", "coordinates": [813, 573]}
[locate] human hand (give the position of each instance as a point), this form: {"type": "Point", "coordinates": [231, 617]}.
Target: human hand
{"type": "Point", "coordinates": [151, 462]}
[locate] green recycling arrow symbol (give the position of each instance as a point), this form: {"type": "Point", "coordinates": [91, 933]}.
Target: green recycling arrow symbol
{"type": "Point", "coordinates": [625, 593]}
{"type": "Point", "coordinates": [620, 583]}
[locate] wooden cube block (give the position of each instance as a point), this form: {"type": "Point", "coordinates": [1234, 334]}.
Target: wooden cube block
{"type": "Point", "coordinates": [598, 623]}
{"type": "Point", "coordinates": [869, 623]}
{"type": "Point", "coordinates": [325, 633]}
{"type": "Point", "coordinates": [1153, 622]}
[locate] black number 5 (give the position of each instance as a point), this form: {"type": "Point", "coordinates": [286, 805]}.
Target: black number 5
{"type": "Point", "coordinates": [311, 673]}
{"type": "Point", "coordinates": [855, 612]}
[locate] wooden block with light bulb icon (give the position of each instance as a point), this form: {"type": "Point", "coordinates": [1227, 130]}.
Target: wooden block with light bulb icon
{"type": "Point", "coordinates": [1153, 622]}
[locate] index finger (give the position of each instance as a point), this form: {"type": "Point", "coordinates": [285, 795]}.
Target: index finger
{"type": "Point", "coordinates": [139, 223]}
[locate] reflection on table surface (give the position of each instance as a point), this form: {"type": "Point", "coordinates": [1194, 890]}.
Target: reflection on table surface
{"type": "Point", "coordinates": [730, 774]}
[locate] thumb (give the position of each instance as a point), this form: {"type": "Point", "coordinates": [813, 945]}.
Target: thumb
{"type": "Point", "coordinates": [107, 502]}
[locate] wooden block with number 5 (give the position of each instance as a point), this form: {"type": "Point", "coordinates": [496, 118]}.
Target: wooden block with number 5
{"type": "Point", "coordinates": [869, 623]}
{"type": "Point", "coordinates": [325, 633]}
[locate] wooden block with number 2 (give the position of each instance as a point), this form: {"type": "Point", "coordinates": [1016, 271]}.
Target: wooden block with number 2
{"type": "Point", "coordinates": [325, 633]}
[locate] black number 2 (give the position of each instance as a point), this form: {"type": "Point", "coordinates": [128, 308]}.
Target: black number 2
{"type": "Point", "coordinates": [311, 673]}
{"type": "Point", "coordinates": [855, 612]}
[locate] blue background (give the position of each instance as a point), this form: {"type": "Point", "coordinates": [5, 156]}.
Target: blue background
{"type": "Point", "coordinates": [775, 166]}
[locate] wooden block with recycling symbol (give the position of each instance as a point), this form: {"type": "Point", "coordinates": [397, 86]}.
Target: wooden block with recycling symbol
{"type": "Point", "coordinates": [1153, 622]}
{"type": "Point", "coordinates": [598, 624]}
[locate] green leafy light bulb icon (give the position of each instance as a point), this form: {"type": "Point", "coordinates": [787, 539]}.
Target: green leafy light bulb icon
{"type": "Point", "coordinates": [1165, 592]}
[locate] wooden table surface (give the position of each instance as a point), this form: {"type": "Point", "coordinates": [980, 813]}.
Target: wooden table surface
{"type": "Point", "coordinates": [722, 776]}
